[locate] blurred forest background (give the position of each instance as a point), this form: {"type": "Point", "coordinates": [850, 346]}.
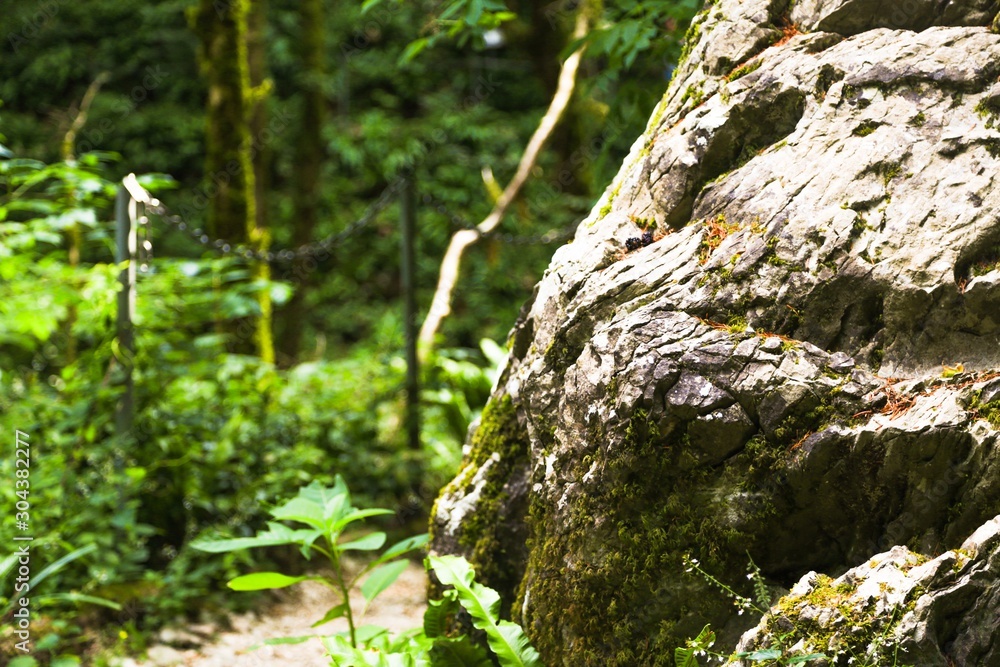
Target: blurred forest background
{"type": "Point", "coordinates": [337, 99]}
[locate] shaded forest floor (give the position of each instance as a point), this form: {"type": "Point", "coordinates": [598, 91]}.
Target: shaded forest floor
{"type": "Point", "coordinates": [401, 607]}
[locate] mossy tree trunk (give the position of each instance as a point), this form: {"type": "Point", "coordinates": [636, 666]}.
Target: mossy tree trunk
{"type": "Point", "coordinates": [232, 61]}
{"type": "Point", "coordinates": [309, 160]}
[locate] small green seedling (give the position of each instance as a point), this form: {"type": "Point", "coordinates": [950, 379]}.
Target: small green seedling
{"type": "Point", "coordinates": [327, 512]}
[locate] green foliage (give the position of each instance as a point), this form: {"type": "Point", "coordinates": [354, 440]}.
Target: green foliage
{"type": "Point", "coordinates": [506, 639]}
{"type": "Point", "coordinates": [687, 656]}
{"type": "Point", "coordinates": [701, 646]}
{"type": "Point", "coordinates": [634, 28]}
{"type": "Point", "coordinates": [461, 20]}
{"type": "Point", "coordinates": [448, 113]}
{"type": "Point", "coordinates": [327, 513]}
{"type": "Point", "coordinates": [214, 432]}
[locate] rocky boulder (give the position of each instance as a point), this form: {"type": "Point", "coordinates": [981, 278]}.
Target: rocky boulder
{"type": "Point", "coordinates": [897, 608]}
{"type": "Point", "coordinates": [801, 368]}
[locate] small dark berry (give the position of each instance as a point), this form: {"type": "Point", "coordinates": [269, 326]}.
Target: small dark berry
{"type": "Point", "coordinates": [633, 243]}
{"type": "Point", "coordinates": [647, 238]}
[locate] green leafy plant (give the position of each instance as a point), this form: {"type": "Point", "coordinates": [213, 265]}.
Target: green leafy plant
{"type": "Point", "coordinates": [701, 646]}
{"type": "Point", "coordinates": [327, 512]}
{"type": "Point", "coordinates": [8, 564]}
{"type": "Point", "coordinates": [506, 639]}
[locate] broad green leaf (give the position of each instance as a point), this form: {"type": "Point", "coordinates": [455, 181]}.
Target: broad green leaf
{"type": "Point", "coordinates": [366, 633]}
{"type": "Point", "coordinates": [65, 661]}
{"type": "Point", "coordinates": [302, 510]}
{"type": "Point", "coordinates": [458, 652]}
{"type": "Point", "coordinates": [685, 657]}
{"type": "Point", "coordinates": [157, 181]}
{"type": "Point", "coordinates": [438, 612]}
{"type": "Point", "coordinates": [799, 659]}
{"type": "Point", "coordinates": [306, 536]}
{"type": "Point", "coordinates": [506, 639]}
{"type": "Point", "coordinates": [277, 641]}
{"type": "Point", "coordinates": [276, 534]}
{"type": "Point", "coordinates": [760, 656]}
{"type": "Point", "coordinates": [263, 580]}
{"type": "Point", "coordinates": [705, 638]}
{"type": "Point", "coordinates": [321, 495]}
{"type": "Point", "coordinates": [381, 578]}
{"type": "Point", "coordinates": [357, 515]}
{"type": "Point", "coordinates": [239, 543]}
{"type": "Point", "coordinates": [73, 216]}
{"type": "Point", "coordinates": [403, 546]}
{"type": "Point", "coordinates": [334, 613]}
{"type": "Point", "coordinates": [413, 49]}
{"type": "Point", "coordinates": [369, 542]}
{"type": "Point", "coordinates": [340, 649]}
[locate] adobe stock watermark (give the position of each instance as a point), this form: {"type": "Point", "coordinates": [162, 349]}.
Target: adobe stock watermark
{"type": "Point", "coordinates": [22, 522]}
{"type": "Point", "coordinates": [222, 177]}
{"type": "Point", "coordinates": [481, 89]}
{"type": "Point", "coordinates": [94, 135]}
{"type": "Point", "coordinates": [32, 25]}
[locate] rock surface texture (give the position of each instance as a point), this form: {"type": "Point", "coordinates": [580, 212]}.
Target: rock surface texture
{"type": "Point", "coordinates": [802, 367]}
{"type": "Point", "coordinates": [896, 608]}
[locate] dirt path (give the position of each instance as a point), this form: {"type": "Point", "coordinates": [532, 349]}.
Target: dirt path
{"type": "Point", "coordinates": [401, 607]}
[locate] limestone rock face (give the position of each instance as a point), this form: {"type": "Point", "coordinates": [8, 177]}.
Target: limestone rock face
{"type": "Point", "coordinates": [898, 607]}
{"type": "Point", "coordinates": [800, 368]}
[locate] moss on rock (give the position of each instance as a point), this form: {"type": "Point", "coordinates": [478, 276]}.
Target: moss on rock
{"type": "Point", "coordinates": [491, 534]}
{"type": "Point", "coordinates": [619, 593]}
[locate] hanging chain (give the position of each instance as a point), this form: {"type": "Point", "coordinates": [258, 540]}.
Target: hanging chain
{"type": "Point", "coordinates": [223, 247]}
{"type": "Point", "coordinates": [155, 207]}
{"type": "Point", "coordinates": [144, 241]}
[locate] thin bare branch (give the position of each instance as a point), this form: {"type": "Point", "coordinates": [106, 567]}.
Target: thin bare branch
{"type": "Point", "coordinates": [69, 139]}
{"type": "Point", "coordinates": [461, 240]}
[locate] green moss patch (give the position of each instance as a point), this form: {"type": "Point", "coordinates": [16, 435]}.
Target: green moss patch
{"type": "Point", "coordinates": [743, 70]}
{"type": "Point", "coordinates": [490, 535]}
{"type": "Point", "coordinates": [606, 584]}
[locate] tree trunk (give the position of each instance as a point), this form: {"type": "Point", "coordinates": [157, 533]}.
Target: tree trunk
{"type": "Point", "coordinates": [308, 160]}
{"type": "Point", "coordinates": [231, 42]}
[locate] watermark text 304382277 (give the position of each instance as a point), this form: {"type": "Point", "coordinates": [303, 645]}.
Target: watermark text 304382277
{"type": "Point", "coordinates": [22, 521]}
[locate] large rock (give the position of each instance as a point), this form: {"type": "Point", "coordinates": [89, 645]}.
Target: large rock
{"type": "Point", "coordinates": [768, 377]}
{"type": "Point", "coordinates": [897, 608]}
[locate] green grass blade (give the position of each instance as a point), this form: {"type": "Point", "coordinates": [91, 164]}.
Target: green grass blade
{"type": "Point", "coordinates": [61, 563]}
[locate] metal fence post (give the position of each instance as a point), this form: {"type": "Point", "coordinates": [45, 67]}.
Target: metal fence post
{"type": "Point", "coordinates": [125, 247]}
{"type": "Point", "coordinates": [408, 214]}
